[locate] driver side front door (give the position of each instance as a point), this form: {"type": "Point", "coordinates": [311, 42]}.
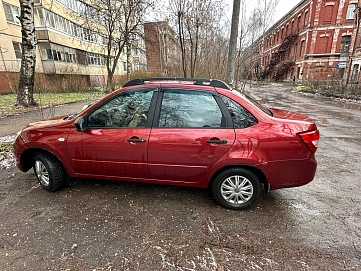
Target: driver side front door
{"type": "Point", "coordinates": [114, 145]}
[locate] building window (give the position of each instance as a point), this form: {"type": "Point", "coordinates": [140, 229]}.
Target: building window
{"type": "Point", "coordinates": [302, 51]}
{"type": "Point", "coordinates": [17, 50]}
{"type": "Point", "coordinates": [11, 13]}
{"type": "Point", "coordinates": [298, 23]}
{"type": "Point", "coordinates": [355, 71]}
{"type": "Point", "coordinates": [345, 44]}
{"type": "Point", "coordinates": [322, 45]}
{"type": "Point", "coordinates": [306, 19]}
{"type": "Point", "coordinates": [350, 11]}
{"type": "Point", "coordinates": [328, 13]}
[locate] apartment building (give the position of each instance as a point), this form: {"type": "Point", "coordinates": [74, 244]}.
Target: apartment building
{"type": "Point", "coordinates": [313, 41]}
{"type": "Point", "coordinates": [162, 48]}
{"type": "Point", "coordinates": [67, 48]}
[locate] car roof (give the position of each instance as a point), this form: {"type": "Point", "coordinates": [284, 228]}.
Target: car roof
{"type": "Point", "coordinates": [213, 83]}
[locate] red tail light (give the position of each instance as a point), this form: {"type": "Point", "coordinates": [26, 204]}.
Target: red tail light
{"type": "Point", "coordinates": [311, 139]}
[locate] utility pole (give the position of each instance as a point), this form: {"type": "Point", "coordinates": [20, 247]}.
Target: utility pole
{"type": "Point", "coordinates": [233, 42]}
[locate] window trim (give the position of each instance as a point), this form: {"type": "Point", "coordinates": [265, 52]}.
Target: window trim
{"type": "Point", "coordinates": [226, 121]}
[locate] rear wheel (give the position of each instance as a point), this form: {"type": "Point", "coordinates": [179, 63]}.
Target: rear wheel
{"type": "Point", "coordinates": [49, 171]}
{"type": "Point", "coordinates": [236, 188]}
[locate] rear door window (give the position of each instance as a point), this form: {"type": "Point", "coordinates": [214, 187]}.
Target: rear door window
{"type": "Point", "coordinates": [192, 109]}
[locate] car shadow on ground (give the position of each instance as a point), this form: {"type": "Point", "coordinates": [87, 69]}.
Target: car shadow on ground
{"type": "Point", "coordinates": [155, 193]}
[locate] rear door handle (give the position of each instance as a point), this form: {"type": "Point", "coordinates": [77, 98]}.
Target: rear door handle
{"type": "Point", "coordinates": [136, 140]}
{"type": "Point", "coordinates": [216, 141]}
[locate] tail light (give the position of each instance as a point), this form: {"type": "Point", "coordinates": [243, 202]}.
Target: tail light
{"type": "Point", "coordinates": [311, 139]}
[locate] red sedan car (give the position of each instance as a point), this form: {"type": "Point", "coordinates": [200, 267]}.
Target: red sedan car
{"type": "Point", "coordinates": [178, 131]}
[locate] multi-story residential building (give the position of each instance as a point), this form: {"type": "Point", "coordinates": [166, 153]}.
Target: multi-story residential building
{"type": "Point", "coordinates": [66, 48]}
{"type": "Point", "coordinates": [314, 40]}
{"type": "Point", "coordinates": [162, 48]}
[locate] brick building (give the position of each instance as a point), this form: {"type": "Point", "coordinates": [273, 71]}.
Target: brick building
{"type": "Point", "coordinates": [313, 41]}
{"type": "Point", "coordinates": [354, 65]}
{"type": "Point", "coordinates": [162, 48]}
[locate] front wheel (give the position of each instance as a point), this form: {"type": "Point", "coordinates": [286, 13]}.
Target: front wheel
{"type": "Point", "coordinates": [236, 188]}
{"type": "Point", "coordinates": [49, 171]}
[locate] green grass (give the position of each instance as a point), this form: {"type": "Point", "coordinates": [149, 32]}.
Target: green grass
{"type": "Point", "coordinates": [7, 101]}
{"type": "Point", "coordinates": [5, 147]}
{"type": "Point", "coordinates": [301, 88]}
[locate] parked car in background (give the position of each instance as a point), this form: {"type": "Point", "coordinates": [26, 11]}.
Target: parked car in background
{"type": "Point", "coordinates": [175, 131]}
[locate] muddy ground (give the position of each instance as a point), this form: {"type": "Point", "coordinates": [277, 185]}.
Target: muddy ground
{"type": "Point", "coordinates": [102, 225]}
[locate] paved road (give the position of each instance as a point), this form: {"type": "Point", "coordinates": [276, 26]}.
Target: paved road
{"type": "Point", "coordinates": [13, 124]}
{"type": "Point", "coordinates": [100, 225]}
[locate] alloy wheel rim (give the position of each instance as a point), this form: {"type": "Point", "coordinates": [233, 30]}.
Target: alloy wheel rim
{"type": "Point", "coordinates": [42, 173]}
{"type": "Point", "coordinates": [236, 189]}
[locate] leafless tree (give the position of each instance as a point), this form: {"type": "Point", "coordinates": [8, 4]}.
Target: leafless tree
{"type": "Point", "coordinates": [195, 21]}
{"type": "Point", "coordinates": [252, 28]}
{"type": "Point", "coordinates": [119, 23]}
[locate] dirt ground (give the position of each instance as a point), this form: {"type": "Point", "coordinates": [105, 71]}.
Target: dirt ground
{"type": "Point", "coordinates": [102, 225]}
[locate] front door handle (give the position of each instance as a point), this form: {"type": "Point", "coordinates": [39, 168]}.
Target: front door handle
{"type": "Point", "coordinates": [216, 141]}
{"type": "Point", "coordinates": [136, 140]}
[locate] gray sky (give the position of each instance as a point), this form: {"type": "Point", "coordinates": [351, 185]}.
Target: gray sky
{"type": "Point", "coordinates": [282, 8]}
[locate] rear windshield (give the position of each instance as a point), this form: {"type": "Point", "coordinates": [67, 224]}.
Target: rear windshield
{"type": "Point", "coordinates": [254, 102]}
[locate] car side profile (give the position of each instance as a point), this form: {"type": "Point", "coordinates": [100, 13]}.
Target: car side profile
{"type": "Point", "coordinates": [175, 131]}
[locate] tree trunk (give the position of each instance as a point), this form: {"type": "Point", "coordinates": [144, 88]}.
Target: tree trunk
{"type": "Point", "coordinates": [27, 69]}
{"type": "Point", "coordinates": [109, 87]}
{"type": "Point", "coordinates": [233, 42]}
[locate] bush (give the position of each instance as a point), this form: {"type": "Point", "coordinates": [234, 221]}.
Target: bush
{"type": "Point", "coordinates": [332, 88]}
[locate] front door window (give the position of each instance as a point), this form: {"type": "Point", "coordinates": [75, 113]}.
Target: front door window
{"type": "Point", "coordinates": [127, 110]}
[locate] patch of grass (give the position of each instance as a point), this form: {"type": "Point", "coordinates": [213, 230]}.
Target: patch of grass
{"type": "Point", "coordinates": [7, 101]}
{"type": "Point", "coordinates": [6, 147]}
{"type": "Point", "coordinates": [301, 88]}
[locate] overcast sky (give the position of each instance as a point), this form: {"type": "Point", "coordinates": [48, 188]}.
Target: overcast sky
{"type": "Point", "coordinates": [282, 8]}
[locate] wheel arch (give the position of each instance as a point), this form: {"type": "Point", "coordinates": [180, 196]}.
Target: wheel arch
{"type": "Point", "coordinates": [28, 155]}
{"type": "Point", "coordinates": [259, 173]}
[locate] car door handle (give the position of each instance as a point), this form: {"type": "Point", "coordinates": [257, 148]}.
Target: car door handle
{"type": "Point", "coordinates": [216, 141]}
{"type": "Point", "coordinates": [136, 140]}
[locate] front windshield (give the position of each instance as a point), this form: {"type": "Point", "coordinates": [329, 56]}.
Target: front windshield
{"type": "Point", "coordinates": [70, 117]}
{"type": "Point", "coordinates": [254, 102]}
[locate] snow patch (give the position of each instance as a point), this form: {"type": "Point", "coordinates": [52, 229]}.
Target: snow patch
{"type": "Point", "coordinates": [7, 158]}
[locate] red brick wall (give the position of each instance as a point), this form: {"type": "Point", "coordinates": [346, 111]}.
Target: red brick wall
{"type": "Point", "coordinates": [152, 46]}
{"type": "Point", "coordinates": [8, 82]}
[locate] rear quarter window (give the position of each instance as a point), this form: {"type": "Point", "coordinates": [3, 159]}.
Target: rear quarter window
{"type": "Point", "coordinates": [241, 117]}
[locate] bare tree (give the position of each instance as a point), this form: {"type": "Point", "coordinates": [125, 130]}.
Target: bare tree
{"type": "Point", "coordinates": [119, 23]}
{"type": "Point", "coordinates": [195, 20]}
{"type": "Point", "coordinates": [252, 28]}
{"type": "Point", "coordinates": [28, 46]}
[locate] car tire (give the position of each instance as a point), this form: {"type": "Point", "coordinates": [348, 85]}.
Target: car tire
{"type": "Point", "coordinates": [236, 188]}
{"type": "Point", "coordinates": [49, 171]}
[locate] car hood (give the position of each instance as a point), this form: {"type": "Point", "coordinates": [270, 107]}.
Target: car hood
{"type": "Point", "coordinates": [284, 114]}
{"type": "Point", "coordinates": [50, 122]}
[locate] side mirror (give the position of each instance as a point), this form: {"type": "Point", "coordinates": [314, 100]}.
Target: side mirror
{"type": "Point", "coordinates": [80, 124]}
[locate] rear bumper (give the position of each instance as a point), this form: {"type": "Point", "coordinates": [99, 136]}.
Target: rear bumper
{"type": "Point", "coordinates": [290, 173]}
